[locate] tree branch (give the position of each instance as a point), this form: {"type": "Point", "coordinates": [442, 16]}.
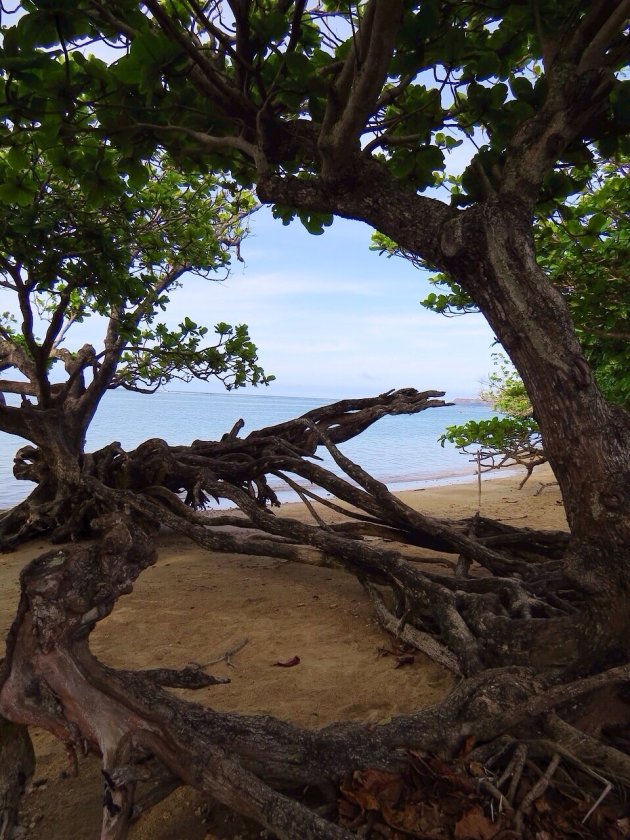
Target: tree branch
{"type": "Point", "coordinates": [374, 197]}
{"type": "Point", "coordinates": [354, 94]}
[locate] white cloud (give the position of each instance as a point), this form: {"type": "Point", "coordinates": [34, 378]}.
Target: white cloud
{"type": "Point", "coordinates": [331, 318]}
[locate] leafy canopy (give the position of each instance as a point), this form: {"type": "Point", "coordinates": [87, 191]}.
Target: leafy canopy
{"type": "Point", "coordinates": [309, 99]}
{"type": "Point", "coordinates": [68, 253]}
{"type": "Point", "coordinates": [238, 87]}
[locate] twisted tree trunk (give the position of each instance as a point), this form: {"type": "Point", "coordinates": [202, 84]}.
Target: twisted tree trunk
{"type": "Point", "coordinates": [587, 440]}
{"type": "Point", "coordinates": [505, 618]}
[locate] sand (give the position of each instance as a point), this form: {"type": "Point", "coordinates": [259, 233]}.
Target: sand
{"type": "Point", "coordinates": [193, 605]}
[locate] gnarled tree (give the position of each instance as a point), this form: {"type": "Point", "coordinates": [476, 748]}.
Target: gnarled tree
{"type": "Point", "coordinates": [584, 247]}
{"type": "Point", "coordinates": [69, 252]}
{"type": "Point", "coordinates": [344, 109]}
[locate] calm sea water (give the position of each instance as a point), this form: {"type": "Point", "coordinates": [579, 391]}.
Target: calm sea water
{"type": "Point", "coordinates": [401, 451]}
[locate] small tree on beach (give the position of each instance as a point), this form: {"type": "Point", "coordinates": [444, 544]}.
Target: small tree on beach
{"type": "Point", "coordinates": [510, 440]}
{"type": "Point", "coordinates": [334, 108]}
{"type": "Point", "coordinates": [70, 251]}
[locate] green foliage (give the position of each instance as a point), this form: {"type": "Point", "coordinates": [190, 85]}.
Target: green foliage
{"type": "Point", "coordinates": [474, 67]}
{"type": "Point", "coordinates": [160, 355]}
{"type": "Point", "coordinates": [67, 255]}
{"type": "Point", "coordinates": [500, 434]}
{"type": "Point", "coordinates": [503, 441]}
{"type": "Point", "coordinates": [585, 249]}
{"type": "Point", "coordinates": [267, 101]}
{"type": "Point", "coordinates": [504, 391]}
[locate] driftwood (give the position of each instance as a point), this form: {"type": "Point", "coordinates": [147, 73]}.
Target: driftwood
{"type": "Point", "coordinates": [502, 615]}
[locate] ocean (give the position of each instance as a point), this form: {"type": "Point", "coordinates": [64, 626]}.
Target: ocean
{"type": "Point", "coordinates": [401, 451]}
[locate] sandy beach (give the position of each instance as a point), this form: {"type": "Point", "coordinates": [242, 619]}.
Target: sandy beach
{"type": "Point", "coordinates": [193, 605]}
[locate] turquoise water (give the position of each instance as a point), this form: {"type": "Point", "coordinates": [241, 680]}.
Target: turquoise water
{"type": "Point", "coordinates": [401, 451]}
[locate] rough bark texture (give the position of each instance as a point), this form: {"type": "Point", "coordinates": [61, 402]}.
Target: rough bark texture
{"type": "Point", "coordinates": [505, 618]}
{"type": "Point", "coordinates": [536, 624]}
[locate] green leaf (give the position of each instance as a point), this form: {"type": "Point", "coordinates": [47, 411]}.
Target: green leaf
{"type": "Point", "coordinates": [298, 65]}
{"type": "Point", "coordinates": [18, 158]}
{"type": "Point", "coordinates": [522, 88]}
{"type": "Point", "coordinates": [488, 64]}
{"type": "Point", "coordinates": [16, 193]}
{"type": "Point", "coordinates": [37, 29]}
{"type": "Point", "coordinates": [597, 223]}
{"type": "Point", "coordinates": [402, 163]}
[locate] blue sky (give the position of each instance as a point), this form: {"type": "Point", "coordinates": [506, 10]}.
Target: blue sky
{"type": "Point", "coordinates": [332, 318]}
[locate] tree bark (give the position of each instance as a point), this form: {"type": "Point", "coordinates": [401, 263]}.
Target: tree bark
{"type": "Point", "coordinates": [49, 678]}
{"type": "Point", "coordinates": [587, 440]}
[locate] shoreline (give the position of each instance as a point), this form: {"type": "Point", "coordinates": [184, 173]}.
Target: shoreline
{"type": "Point", "coordinates": [395, 485]}
{"type": "Point", "coordinates": [458, 497]}
{"type": "Point", "coordinates": [402, 487]}
{"type": "Point", "coordinates": [286, 496]}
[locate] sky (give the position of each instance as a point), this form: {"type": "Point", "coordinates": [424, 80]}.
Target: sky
{"type": "Point", "coordinates": [331, 318]}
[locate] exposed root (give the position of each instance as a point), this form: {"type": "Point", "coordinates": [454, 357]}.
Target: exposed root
{"type": "Point", "coordinates": [147, 735]}
{"type": "Point", "coordinates": [535, 793]}
{"type": "Point", "coordinates": [424, 642]}
{"type": "Point", "coordinates": [502, 615]}
{"type": "Point", "coordinates": [17, 764]}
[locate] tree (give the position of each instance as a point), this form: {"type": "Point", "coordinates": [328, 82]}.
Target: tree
{"type": "Point", "coordinates": [583, 246]}
{"type": "Point", "coordinates": [507, 441]}
{"type": "Point", "coordinates": [68, 254]}
{"type": "Point", "coordinates": [344, 109]}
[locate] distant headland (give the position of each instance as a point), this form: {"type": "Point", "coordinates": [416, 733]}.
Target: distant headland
{"type": "Point", "coordinates": [468, 401]}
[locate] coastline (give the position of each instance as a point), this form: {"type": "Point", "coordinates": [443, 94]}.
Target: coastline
{"type": "Point", "coordinates": [400, 449]}
{"type": "Point", "coordinates": [400, 485]}
{"type": "Point", "coordinates": [457, 496]}
{"type": "Point", "coordinates": [193, 605]}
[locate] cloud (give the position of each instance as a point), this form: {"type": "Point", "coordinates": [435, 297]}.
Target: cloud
{"type": "Point", "coordinates": [330, 317]}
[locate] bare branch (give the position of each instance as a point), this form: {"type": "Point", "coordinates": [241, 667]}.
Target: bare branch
{"type": "Point", "coordinates": [354, 95]}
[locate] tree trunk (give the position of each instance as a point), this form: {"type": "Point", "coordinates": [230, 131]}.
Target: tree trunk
{"type": "Point", "coordinates": [55, 465]}
{"type": "Point", "coordinates": [587, 440]}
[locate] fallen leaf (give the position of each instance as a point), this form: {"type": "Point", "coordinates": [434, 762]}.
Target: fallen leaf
{"type": "Point", "coordinates": [387, 786]}
{"type": "Point", "coordinates": [371, 789]}
{"type": "Point", "coordinates": [474, 825]}
{"type": "Point", "coordinates": [347, 810]}
{"type": "Point", "coordinates": [288, 663]}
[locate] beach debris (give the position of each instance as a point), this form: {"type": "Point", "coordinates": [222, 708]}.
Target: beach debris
{"type": "Point", "coordinates": [402, 653]}
{"type": "Point", "coordinates": [227, 655]}
{"type": "Point", "coordinates": [287, 663]}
